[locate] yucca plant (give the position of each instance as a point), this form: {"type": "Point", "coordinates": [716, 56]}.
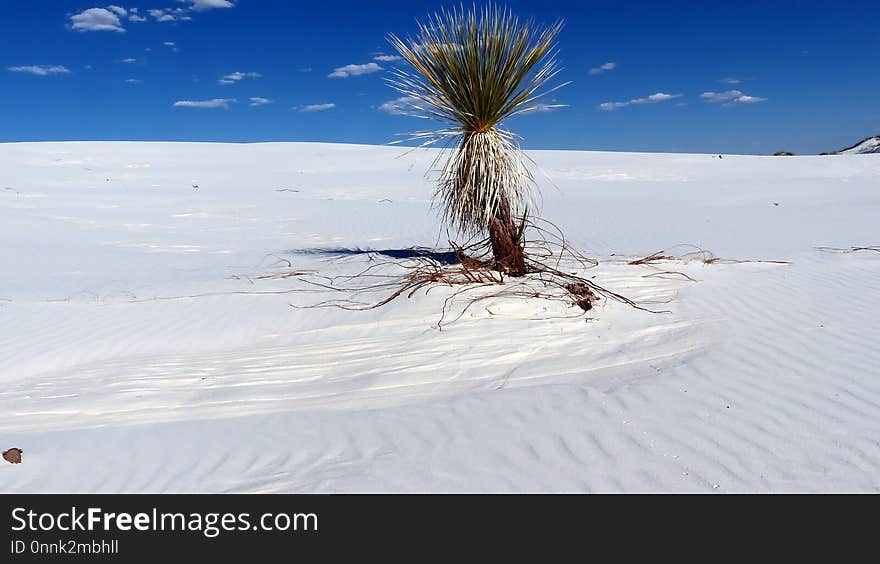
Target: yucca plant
{"type": "Point", "coordinates": [470, 70]}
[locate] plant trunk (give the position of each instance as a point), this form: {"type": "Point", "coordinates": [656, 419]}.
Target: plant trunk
{"type": "Point", "coordinates": [507, 251]}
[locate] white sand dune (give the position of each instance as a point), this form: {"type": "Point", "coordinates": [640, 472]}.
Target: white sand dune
{"type": "Point", "coordinates": [142, 353]}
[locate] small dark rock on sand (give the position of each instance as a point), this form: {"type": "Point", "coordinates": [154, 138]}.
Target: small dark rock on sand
{"type": "Point", "coordinates": [13, 456]}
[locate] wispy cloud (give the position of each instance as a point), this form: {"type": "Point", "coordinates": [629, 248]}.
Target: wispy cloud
{"type": "Point", "coordinates": [41, 70]}
{"type": "Point", "coordinates": [399, 106]}
{"type": "Point", "coordinates": [718, 97]}
{"type": "Point", "coordinates": [730, 98]}
{"type": "Point", "coordinates": [746, 100]}
{"type": "Point", "coordinates": [387, 58]}
{"type": "Point", "coordinates": [354, 70]}
{"type": "Point", "coordinates": [202, 5]}
{"type": "Point", "coordinates": [234, 77]}
{"type": "Point", "coordinates": [129, 60]}
{"type": "Point", "coordinates": [97, 19]}
{"type": "Point", "coordinates": [316, 107]}
{"type": "Point", "coordinates": [170, 15]}
{"type": "Point", "coordinates": [652, 99]}
{"type": "Point", "coordinates": [542, 108]}
{"type": "Point", "coordinates": [730, 80]}
{"type": "Point", "coordinates": [610, 66]}
{"type": "Point", "coordinates": [215, 103]}
{"type": "Point", "coordinates": [169, 44]}
{"type": "Point", "coordinates": [133, 80]}
{"type": "Point", "coordinates": [258, 101]}
{"type": "Point", "coordinates": [117, 10]}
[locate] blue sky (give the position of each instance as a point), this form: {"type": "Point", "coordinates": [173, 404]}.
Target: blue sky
{"type": "Point", "coordinates": [723, 77]}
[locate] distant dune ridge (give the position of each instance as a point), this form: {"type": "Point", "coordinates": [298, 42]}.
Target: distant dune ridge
{"type": "Point", "coordinates": [869, 145]}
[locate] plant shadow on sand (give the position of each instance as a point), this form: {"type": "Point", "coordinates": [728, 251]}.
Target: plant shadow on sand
{"type": "Point", "coordinates": [445, 258]}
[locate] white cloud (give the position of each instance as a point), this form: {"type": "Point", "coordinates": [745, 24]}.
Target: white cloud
{"type": "Point", "coordinates": [96, 19]}
{"type": "Point", "coordinates": [399, 106]}
{"type": "Point", "coordinates": [387, 58]}
{"type": "Point", "coordinates": [354, 70]}
{"type": "Point", "coordinates": [652, 99]}
{"type": "Point", "coordinates": [215, 103]}
{"type": "Point", "coordinates": [234, 77]}
{"type": "Point", "coordinates": [169, 44]}
{"type": "Point", "coordinates": [718, 97]}
{"type": "Point", "coordinates": [129, 60]}
{"type": "Point", "coordinates": [546, 108]}
{"type": "Point", "coordinates": [258, 101]}
{"type": "Point", "coordinates": [316, 107]}
{"type": "Point", "coordinates": [161, 16]}
{"type": "Point", "coordinates": [170, 15]}
{"type": "Point", "coordinates": [133, 80]}
{"type": "Point", "coordinates": [108, 19]}
{"type": "Point", "coordinates": [202, 5]}
{"type": "Point", "coordinates": [730, 98]}
{"type": "Point", "coordinates": [745, 100]}
{"type": "Point", "coordinates": [730, 80]}
{"type": "Point", "coordinates": [603, 68]}
{"type": "Point", "coordinates": [41, 70]}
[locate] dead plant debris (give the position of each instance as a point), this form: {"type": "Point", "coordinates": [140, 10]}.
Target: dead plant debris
{"type": "Point", "coordinates": [874, 248]}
